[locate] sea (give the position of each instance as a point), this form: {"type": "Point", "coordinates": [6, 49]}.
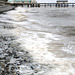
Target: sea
{"type": "Point", "coordinates": [48, 34]}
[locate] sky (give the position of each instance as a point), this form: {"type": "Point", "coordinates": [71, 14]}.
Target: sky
{"type": "Point", "coordinates": [51, 1]}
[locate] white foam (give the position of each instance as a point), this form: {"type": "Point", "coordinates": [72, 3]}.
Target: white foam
{"type": "Point", "coordinates": [68, 49]}
{"type": "Point", "coordinates": [36, 42]}
{"type": "Point", "coordinates": [38, 47]}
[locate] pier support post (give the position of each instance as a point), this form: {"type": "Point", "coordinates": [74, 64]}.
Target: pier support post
{"type": "Point", "coordinates": [22, 5]}
{"type": "Point", "coordinates": [72, 5]}
{"type": "Point", "coordinates": [67, 5]}
{"type": "Point", "coordinates": [15, 5]}
{"type": "Point", "coordinates": [50, 5]}
{"type": "Point", "coordinates": [56, 5]}
{"type": "Point", "coordinates": [32, 5]}
{"type": "Point", "coordinates": [38, 5]}
{"type": "Point", "coordinates": [61, 5]}
{"type": "Point", "coordinates": [27, 5]}
{"type": "Point", "coordinates": [45, 4]}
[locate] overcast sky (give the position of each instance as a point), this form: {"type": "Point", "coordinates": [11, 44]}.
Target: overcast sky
{"type": "Point", "coordinates": [52, 1]}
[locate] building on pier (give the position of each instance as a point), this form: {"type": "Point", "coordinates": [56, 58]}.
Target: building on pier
{"type": "Point", "coordinates": [22, 1]}
{"type": "Point", "coordinates": [62, 1]}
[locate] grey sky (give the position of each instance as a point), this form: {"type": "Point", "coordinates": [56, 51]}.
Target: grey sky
{"type": "Point", "coordinates": [52, 1]}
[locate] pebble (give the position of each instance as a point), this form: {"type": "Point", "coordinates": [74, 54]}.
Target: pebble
{"type": "Point", "coordinates": [10, 50]}
{"type": "Point", "coordinates": [12, 57]}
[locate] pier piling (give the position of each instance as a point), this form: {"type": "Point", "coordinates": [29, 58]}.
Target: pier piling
{"type": "Point", "coordinates": [72, 5]}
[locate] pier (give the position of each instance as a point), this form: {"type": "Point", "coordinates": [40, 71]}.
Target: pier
{"type": "Point", "coordinates": [44, 4]}
{"type": "Point", "coordinates": [40, 4]}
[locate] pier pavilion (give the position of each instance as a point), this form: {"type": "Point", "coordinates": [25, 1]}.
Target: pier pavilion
{"type": "Point", "coordinates": [62, 1]}
{"type": "Point", "coordinates": [22, 1]}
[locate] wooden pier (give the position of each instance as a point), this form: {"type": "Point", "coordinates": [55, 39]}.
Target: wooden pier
{"type": "Point", "coordinates": [41, 4]}
{"type": "Point", "coordinates": [45, 4]}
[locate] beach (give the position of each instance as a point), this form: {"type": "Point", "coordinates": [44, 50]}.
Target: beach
{"type": "Point", "coordinates": [37, 41]}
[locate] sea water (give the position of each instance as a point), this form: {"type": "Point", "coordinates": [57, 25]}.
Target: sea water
{"type": "Point", "coordinates": [48, 34]}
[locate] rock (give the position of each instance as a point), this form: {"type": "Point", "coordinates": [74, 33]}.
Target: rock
{"type": "Point", "coordinates": [4, 8]}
